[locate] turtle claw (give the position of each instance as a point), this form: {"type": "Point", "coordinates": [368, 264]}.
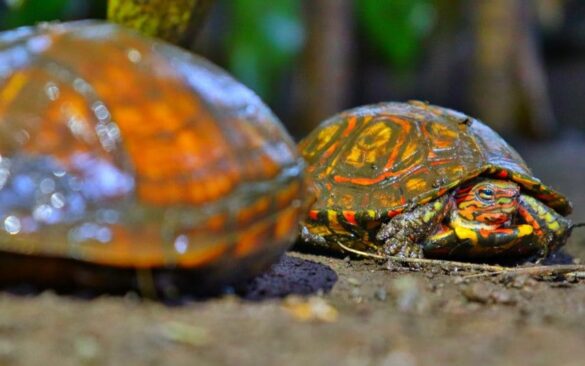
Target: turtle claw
{"type": "Point", "coordinates": [403, 250]}
{"type": "Point", "coordinates": [406, 249]}
{"type": "Point", "coordinates": [417, 252]}
{"type": "Point", "coordinates": [387, 231]}
{"type": "Point", "coordinates": [391, 248]}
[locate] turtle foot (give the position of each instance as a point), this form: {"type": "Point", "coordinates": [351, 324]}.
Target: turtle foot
{"type": "Point", "coordinates": [403, 249]}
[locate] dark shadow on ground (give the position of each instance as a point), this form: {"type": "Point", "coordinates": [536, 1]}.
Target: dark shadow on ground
{"type": "Point", "coordinates": [559, 257]}
{"type": "Point", "coordinates": [290, 276]}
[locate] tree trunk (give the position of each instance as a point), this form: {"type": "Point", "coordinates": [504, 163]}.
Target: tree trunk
{"type": "Point", "coordinates": [326, 62]}
{"type": "Point", "coordinates": [509, 88]}
{"type": "Point", "coordinates": [442, 69]}
{"type": "Point", "coordinates": [533, 85]}
{"type": "Point", "coordinates": [492, 86]}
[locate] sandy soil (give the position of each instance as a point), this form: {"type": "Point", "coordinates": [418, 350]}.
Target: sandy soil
{"type": "Point", "coordinates": [316, 309]}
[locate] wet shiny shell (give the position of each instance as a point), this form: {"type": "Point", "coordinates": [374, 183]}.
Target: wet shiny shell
{"type": "Point", "coordinates": [123, 151]}
{"type": "Point", "coordinates": [376, 161]}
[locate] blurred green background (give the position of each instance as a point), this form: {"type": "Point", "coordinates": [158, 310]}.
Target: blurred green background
{"type": "Point", "coordinates": [517, 64]}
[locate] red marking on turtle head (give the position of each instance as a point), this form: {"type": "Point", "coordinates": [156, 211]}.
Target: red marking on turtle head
{"type": "Point", "coordinates": [488, 201]}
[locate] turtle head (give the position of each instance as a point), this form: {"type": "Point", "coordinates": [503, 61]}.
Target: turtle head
{"type": "Point", "coordinates": [490, 202]}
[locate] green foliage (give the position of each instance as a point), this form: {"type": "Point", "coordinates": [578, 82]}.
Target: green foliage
{"type": "Point", "coordinates": [26, 12]}
{"type": "Point", "coordinates": [265, 37]}
{"type": "Point", "coordinates": [29, 12]}
{"type": "Point", "coordinates": [397, 27]}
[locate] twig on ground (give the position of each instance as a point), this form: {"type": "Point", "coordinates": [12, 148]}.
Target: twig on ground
{"type": "Point", "coordinates": [536, 271]}
{"type": "Point", "coordinates": [485, 269]}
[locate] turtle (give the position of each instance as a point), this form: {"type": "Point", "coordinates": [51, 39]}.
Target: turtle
{"type": "Point", "coordinates": [122, 154]}
{"type": "Point", "coordinates": [422, 181]}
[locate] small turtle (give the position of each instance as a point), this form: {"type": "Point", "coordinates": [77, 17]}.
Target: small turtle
{"type": "Point", "coordinates": [413, 180]}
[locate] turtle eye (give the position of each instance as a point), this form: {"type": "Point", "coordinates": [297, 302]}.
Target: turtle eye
{"type": "Point", "coordinates": [486, 194]}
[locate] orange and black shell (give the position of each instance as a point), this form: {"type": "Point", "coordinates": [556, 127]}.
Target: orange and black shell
{"type": "Point", "coordinates": [124, 151]}
{"type": "Point", "coordinates": [369, 164]}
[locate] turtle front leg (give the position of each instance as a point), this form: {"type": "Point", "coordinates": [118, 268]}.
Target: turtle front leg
{"type": "Point", "coordinates": [551, 230]}
{"type": "Point", "coordinates": [403, 235]}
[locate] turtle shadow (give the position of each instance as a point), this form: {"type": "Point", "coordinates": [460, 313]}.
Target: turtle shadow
{"type": "Point", "coordinates": [558, 257]}
{"type": "Point", "coordinates": [289, 276]}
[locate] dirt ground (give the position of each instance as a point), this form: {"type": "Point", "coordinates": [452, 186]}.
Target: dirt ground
{"type": "Point", "coordinates": [315, 309]}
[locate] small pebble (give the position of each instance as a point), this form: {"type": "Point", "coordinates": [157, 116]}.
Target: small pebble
{"type": "Point", "coordinates": [310, 309]}
{"type": "Point", "coordinates": [577, 275]}
{"type": "Point", "coordinates": [482, 293]}
{"type": "Point", "coordinates": [571, 278]}
{"type": "Point", "coordinates": [455, 307]}
{"type": "Point", "coordinates": [353, 281]}
{"type": "Point", "coordinates": [520, 281]}
{"type": "Point", "coordinates": [504, 297]}
{"type": "Point", "coordinates": [477, 292]}
{"type": "Point", "coordinates": [458, 280]}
